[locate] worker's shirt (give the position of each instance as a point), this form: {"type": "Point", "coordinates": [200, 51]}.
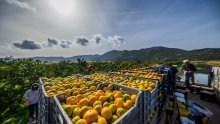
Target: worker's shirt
{"type": "Point", "coordinates": [189, 67]}
{"type": "Point", "coordinates": [32, 96]}
{"type": "Point", "coordinates": [186, 68]}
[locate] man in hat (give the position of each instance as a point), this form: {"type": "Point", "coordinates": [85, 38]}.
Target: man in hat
{"type": "Point", "coordinates": [189, 70]}
{"type": "Point", "coordinates": [31, 98]}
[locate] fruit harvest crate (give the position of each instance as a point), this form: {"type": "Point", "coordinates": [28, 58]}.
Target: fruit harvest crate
{"type": "Point", "coordinates": [151, 99]}
{"type": "Point", "coordinates": [133, 116]}
{"type": "Point", "coordinates": [155, 98]}
{"type": "Point", "coordinates": [46, 104]}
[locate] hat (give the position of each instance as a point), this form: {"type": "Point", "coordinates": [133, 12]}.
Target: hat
{"type": "Point", "coordinates": [185, 61]}
{"type": "Point", "coordinates": [34, 86]}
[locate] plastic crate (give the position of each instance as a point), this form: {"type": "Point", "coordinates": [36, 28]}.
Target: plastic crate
{"type": "Point", "coordinates": [151, 99]}
{"type": "Point", "coordinates": [154, 101]}
{"type": "Point", "coordinates": [154, 120]}
{"type": "Point", "coordinates": [44, 106]}
{"type": "Point", "coordinates": [59, 115]}
{"type": "Point", "coordinates": [133, 116]}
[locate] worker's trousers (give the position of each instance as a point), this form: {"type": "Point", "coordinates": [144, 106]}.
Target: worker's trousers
{"type": "Point", "coordinates": [33, 108]}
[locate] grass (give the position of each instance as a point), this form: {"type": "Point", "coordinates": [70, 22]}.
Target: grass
{"type": "Point", "coordinates": [210, 63]}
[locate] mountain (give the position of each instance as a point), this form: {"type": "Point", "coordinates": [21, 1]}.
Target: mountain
{"type": "Point", "coordinates": [153, 53]}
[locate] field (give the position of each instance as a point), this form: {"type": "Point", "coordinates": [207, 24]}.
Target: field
{"type": "Point", "coordinates": [204, 66]}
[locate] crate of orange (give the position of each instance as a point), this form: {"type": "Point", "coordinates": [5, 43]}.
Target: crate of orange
{"type": "Point", "coordinates": [109, 104]}
{"type": "Point", "coordinates": [68, 86]}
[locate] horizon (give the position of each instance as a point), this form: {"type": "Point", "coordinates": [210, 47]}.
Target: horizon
{"type": "Point", "coordinates": [43, 28]}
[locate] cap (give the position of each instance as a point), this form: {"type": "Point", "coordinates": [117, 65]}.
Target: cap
{"type": "Point", "coordinates": [185, 61]}
{"type": "Point", "coordinates": [34, 86]}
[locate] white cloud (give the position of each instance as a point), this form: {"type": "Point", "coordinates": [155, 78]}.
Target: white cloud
{"type": "Point", "coordinates": [65, 44]}
{"type": "Point", "coordinates": [23, 5]}
{"type": "Point", "coordinates": [116, 40]}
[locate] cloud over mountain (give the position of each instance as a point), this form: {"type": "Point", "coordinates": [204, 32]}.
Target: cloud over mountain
{"type": "Point", "coordinates": [65, 44]}
{"type": "Point", "coordinates": [27, 44]}
{"type": "Point", "coordinates": [81, 40]}
{"type": "Point", "coordinates": [96, 40]}
{"type": "Point", "coordinates": [51, 42]}
{"type": "Point", "coordinates": [116, 40]}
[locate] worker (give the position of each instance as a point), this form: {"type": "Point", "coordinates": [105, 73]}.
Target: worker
{"type": "Point", "coordinates": [31, 98]}
{"type": "Point", "coordinates": [211, 76]}
{"type": "Point", "coordinates": [189, 70]}
{"type": "Point", "coordinates": [89, 67]}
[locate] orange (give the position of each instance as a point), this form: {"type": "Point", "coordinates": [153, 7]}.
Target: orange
{"type": "Point", "coordinates": [97, 103]}
{"type": "Point", "coordinates": [105, 89]}
{"type": "Point", "coordinates": [133, 97]}
{"type": "Point", "coordinates": [102, 120]}
{"type": "Point", "coordinates": [106, 113]}
{"type": "Point", "coordinates": [75, 119]}
{"type": "Point", "coordinates": [113, 108]}
{"type": "Point", "coordinates": [90, 116]}
{"type": "Point", "coordinates": [92, 88]}
{"type": "Point", "coordinates": [92, 99]}
{"type": "Point", "coordinates": [80, 97]}
{"type": "Point", "coordinates": [113, 118]}
{"type": "Point", "coordinates": [101, 92]}
{"type": "Point", "coordinates": [97, 94]}
{"type": "Point", "coordinates": [98, 108]}
{"type": "Point", "coordinates": [126, 97]}
{"type": "Point", "coordinates": [103, 98]}
{"type": "Point", "coordinates": [110, 96]}
{"type": "Point", "coordinates": [110, 86]}
{"type": "Point", "coordinates": [106, 104]}
{"type": "Point", "coordinates": [83, 102]}
{"type": "Point", "coordinates": [81, 121]}
{"type": "Point", "coordinates": [119, 103]}
{"type": "Point", "coordinates": [72, 100]}
{"type": "Point", "coordinates": [83, 110]}
{"type": "Point", "coordinates": [68, 109]}
{"type": "Point", "coordinates": [128, 104]}
{"type": "Point", "coordinates": [76, 112]}
{"type": "Point", "coordinates": [120, 112]}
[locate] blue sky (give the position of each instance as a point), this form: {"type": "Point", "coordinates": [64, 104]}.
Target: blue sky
{"type": "Point", "coordinates": [77, 27]}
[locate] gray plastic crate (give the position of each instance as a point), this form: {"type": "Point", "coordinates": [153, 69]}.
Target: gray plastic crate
{"type": "Point", "coordinates": [153, 100]}
{"type": "Point", "coordinates": [59, 115]}
{"type": "Point", "coordinates": [44, 106]}
{"type": "Point", "coordinates": [133, 116]}
{"type": "Point", "coordinates": [154, 119]}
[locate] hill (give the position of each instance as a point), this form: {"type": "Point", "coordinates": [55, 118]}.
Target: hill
{"type": "Point", "coordinates": [153, 53]}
